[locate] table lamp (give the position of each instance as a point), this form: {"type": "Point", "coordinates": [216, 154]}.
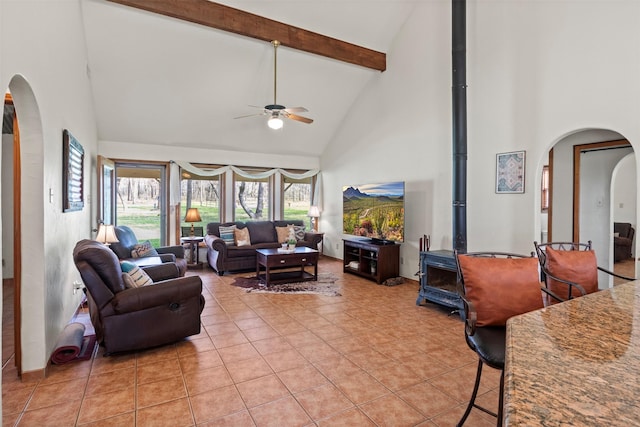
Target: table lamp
{"type": "Point", "coordinates": [106, 234]}
{"type": "Point", "coordinates": [192, 216]}
{"type": "Point", "coordinates": [314, 213]}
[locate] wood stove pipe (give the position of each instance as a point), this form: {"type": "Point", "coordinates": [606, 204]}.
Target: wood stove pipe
{"type": "Point", "coordinates": [459, 120]}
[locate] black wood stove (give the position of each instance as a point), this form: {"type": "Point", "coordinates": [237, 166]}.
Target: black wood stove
{"type": "Point", "coordinates": [439, 279]}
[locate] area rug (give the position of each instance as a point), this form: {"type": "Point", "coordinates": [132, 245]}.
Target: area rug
{"type": "Point", "coordinates": [73, 345]}
{"type": "Point", "coordinates": [325, 285]}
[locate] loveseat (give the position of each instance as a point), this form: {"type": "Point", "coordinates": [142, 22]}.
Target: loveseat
{"type": "Point", "coordinates": [622, 241]}
{"type": "Point", "coordinates": [224, 256]}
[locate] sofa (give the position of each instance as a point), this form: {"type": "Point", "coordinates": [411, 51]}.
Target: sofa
{"type": "Point", "coordinates": [132, 318]}
{"type": "Point", "coordinates": [127, 242]}
{"type": "Point", "coordinates": [622, 241]}
{"type": "Point", "coordinates": [230, 256]}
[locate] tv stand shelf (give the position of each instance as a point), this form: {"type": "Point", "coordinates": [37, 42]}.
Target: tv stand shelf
{"type": "Point", "coordinates": [372, 261]}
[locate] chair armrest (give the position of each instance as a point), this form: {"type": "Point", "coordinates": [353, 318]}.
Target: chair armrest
{"type": "Point", "coordinates": [216, 243]}
{"type": "Point", "coordinates": [470, 316]}
{"type": "Point", "coordinates": [167, 257]}
{"type": "Point", "coordinates": [165, 271]}
{"type": "Point", "coordinates": [551, 294]}
{"type": "Point", "coordinates": [571, 285]}
{"type": "Point", "coordinates": [161, 293]}
{"type": "Point", "coordinates": [313, 238]}
{"type": "Point", "coordinates": [615, 274]}
{"type": "Point", "coordinates": [177, 250]}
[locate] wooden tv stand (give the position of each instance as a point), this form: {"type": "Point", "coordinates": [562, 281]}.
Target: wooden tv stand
{"type": "Point", "coordinates": [386, 259]}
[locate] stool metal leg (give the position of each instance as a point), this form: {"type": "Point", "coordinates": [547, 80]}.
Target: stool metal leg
{"type": "Point", "coordinates": [472, 401]}
{"type": "Point", "coordinates": [473, 395]}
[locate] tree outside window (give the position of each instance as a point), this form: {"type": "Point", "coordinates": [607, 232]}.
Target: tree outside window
{"type": "Point", "coordinates": [202, 193]}
{"type": "Point", "coordinates": [296, 197]}
{"type": "Point", "coordinates": [251, 199]}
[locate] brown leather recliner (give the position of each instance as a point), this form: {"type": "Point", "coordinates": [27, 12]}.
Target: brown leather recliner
{"type": "Point", "coordinates": [623, 242]}
{"type": "Point", "coordinates": [128, 319]}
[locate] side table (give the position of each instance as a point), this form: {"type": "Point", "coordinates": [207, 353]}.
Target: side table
{"type": "Point", "coordinates": [194, 242]}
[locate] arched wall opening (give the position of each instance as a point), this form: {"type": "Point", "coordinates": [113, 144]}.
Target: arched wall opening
{"type": "Point", "coordinates": [581, 197]}
{"type": "Point", "coordinates": [30, 319]}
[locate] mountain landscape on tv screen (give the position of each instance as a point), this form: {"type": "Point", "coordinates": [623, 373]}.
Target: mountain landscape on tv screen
{"type": "Point", "coordinates": [374, 210]}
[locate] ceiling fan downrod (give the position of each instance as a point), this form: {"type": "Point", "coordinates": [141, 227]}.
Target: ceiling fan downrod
{"type": "Point", "coordinates": [275, 44]}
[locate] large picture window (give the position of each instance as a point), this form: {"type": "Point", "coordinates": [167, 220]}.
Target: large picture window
{"type": "Point", "coordinates": [203, 193]}
{"type": "Point", "coordinates": [251, 198]}
{"type": "Point", "coordinates": [233, 193]}
{"type": "Point", "coordinates": [296, 198]}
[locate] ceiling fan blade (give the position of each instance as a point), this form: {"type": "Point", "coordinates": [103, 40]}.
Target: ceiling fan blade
{"type": "Point", "coordinates": [299, 118]}
{"type": "Point", "coordinates": [249, 115]}
{"type": "Point", "coordinates": [296, 110]}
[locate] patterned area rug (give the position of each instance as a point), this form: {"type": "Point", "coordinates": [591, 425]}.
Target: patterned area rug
{"type": "Point", "coordinates": [325, 285]}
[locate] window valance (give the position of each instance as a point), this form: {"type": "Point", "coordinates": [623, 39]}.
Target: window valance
{"type": "Point", "coordinates": [177, 165]}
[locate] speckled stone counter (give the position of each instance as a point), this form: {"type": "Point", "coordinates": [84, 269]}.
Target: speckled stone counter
{"type": "Point", "coordinates": [576, 363]}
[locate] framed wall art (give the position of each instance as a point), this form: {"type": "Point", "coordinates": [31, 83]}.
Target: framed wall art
{"type": "Point", "coordinates": [72, 173]}
{"type": "Point", "coordinates": [510, 172]}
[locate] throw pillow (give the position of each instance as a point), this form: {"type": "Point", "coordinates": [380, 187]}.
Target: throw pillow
{"type": "Point", "coordinates": [242, 237]}
{"type": "Point", "coordinates": [500, 288]}
{"type": "Point", "coordinates": [136, 277]}
{"type": "Point", "coordinates": [575, 266]}
{"type": "Point", "coordinates": [283, 234]}
{"type": "Point", "coordinates": [227, 234]}
{"type": "Point", "coordinates": [299, 231]}
{"type": "Point", "coordinates": [143, 249]}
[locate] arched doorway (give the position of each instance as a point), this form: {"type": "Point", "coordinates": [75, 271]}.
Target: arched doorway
{"type": "Point", "coordinates": [26, 205]}
{"type": "Point", "coordinates": [581, 171]}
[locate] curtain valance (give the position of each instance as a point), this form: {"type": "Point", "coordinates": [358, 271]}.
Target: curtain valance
{"type": "Point", "coordinates": [175, 177]}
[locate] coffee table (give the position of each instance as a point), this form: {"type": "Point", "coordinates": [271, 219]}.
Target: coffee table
{"type": "Point", "coordinates": [276, 259]}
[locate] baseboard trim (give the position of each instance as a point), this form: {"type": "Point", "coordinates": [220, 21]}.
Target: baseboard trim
{"type": "Point", "coordinates": [38, 374]}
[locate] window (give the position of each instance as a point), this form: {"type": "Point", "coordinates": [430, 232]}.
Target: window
{"type": "Point", "coordinates": [251, 197]}
{"type": "Point", "coordinates": [141, 200]}
{"type": "Point", "coordinates": [545, 189]}
{"type": "Point", "coordinates": [296, 198]}
{"type": "Point", "coordinates": [203, 193]}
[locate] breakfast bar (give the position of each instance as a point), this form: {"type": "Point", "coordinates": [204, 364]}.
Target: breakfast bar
{"type": "Point", "coordinates": [576, 363]}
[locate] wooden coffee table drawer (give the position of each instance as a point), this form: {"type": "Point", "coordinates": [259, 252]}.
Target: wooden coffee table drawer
{"type": "Point", "coordinates": [291, 260]}
{"type": "Point", "coordinates": [272, 259]}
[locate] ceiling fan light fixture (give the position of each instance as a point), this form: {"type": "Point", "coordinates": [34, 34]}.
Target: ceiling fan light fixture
{"type": "Point", "coordinates": [275, 122]}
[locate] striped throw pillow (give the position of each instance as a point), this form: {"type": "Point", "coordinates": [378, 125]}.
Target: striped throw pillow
{"type": "Point", "coordinates": [228, 234]}
{"type": "Point", "coordinates": [133, 276]}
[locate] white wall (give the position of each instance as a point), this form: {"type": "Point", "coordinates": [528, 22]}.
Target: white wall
{"type": "Point", "coordinates": [7, 206]}
{"type": "Point", "coordinates": [596, 222]}
{"type": "Point", "coordinates": [537, 72]}
{"type": "Point", "coordinates": [399, 130]}
{"type": "Point", "coordinates": [625, 192]}
{"type": "Point", "coordinates": [44, 65]}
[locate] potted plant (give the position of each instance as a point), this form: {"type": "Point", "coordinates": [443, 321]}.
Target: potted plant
{"type": "Point", "coordinates": [292, 240]}
{"type": "Point", "coordinates": [373, 266]}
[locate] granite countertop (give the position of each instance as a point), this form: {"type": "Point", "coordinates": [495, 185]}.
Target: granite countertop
{"type": "Point", "coordinates": [576, 363]}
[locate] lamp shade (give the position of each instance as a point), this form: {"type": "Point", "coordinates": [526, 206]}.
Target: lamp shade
{"type": "Point", "coordinates": [314, 212]}
{"type": "Point", "coordinates": [192, 215]}
{"type": "Point", "coordinates": [106, 234]}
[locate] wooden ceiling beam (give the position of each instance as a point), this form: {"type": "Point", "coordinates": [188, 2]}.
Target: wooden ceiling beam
{"type": "Point", "coordinates": [236, 21]}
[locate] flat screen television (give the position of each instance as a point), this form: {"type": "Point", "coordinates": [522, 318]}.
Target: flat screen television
{"type": "Point", "coordinates": [375, 211]}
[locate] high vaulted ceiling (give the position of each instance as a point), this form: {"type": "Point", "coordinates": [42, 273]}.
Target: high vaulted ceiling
{"type": "Point", "coordinates": [161, 80]}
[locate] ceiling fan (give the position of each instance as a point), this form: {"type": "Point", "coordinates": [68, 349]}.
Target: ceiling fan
{"type": "Point", "coordinates": [276, 111]}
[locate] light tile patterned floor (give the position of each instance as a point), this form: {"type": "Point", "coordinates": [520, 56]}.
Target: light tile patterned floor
{"type": "Point", "coordinates": [370, 357]}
